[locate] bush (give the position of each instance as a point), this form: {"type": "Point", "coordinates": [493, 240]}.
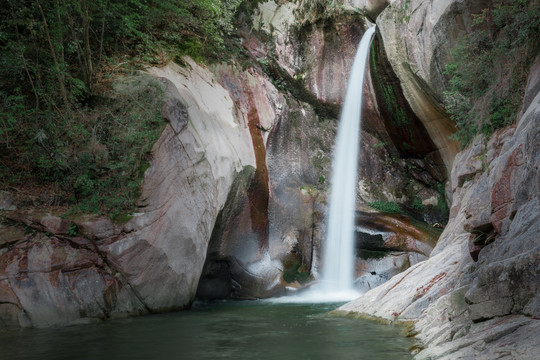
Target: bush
{"type": "Point", "coordinates": [417, 204]}
{"type": "Point", "coordinates": [96, 158]}
{"type": "Point", "coordinates": [488, 75]}
{"type": "Point", "coordinates": [61, 127]}
{"type": "Point", "coordinates": [385, 206]}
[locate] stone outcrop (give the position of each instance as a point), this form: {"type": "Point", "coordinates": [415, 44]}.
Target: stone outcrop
{"type": "Point", "coordinates": [51, 276]}
{"type": "Point", "coordinates": [418, 37]}
{"type": "Point", "coordinates": [477, 296]}
{"type": "Point", "coordinates": [244, 252]}
{"type": "Point", "coordinates": [265, 230]}
{"type": "Point", "coordinates": [313, 44]}
{"type": "Point", "coordinates": [273, 218]}
{"type": "Point", "coordinates": [67, 270]}
{"type": "Point", "coordinates": [387, 244]}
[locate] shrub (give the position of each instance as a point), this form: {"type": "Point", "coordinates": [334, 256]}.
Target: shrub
{"type": "Point", "coordinates": [73, 230]}
{"type": "Point", "coordinates": [385, 206]}
{"type": "Point", "coordinates": [489, 70]}
{"type": "Point", "coordinates": [417, 204]}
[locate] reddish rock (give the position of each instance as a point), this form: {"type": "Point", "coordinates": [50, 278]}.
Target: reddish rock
{"type": "Point", "coordinates": [55, 224]}
{"type": "Point", "coordinates": [99, 228]}
{"type": "Point", "coordinates": [503, 190]}
{"type": "Point", "coordinates": [254, 46]}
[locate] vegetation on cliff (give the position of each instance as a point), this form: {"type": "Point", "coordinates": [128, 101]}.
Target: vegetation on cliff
{"type": "Point", "coordinates": [62, 128]}
{"type": "Point", "coordinates": [490, 67]}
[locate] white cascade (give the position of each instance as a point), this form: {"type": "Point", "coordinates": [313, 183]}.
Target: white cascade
{"type": "Point", "coordinates": [336, 283]}
{"type": "Point", "coordinates": [338, 251]}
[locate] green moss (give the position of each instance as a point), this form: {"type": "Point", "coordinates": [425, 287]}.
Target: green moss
{"type": "Point", "coordinates": [417, 204]}
{"type": "Point", "coordinates": [441, 200]}
{"type": "Point", "coordinates": [397, 114]}
{"type": "Point", "coordinates": [386, 206]}
{"type": "Point", "coordinates": [73, 229]}
{"type": "Point", "coordinates": [121, 218]}
{"type": "Point", "coordinates": [296, 272]}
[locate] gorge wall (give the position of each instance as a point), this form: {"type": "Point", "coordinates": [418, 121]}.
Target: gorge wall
{"type": "Point", "coordinates": [476, 297]}
{"type": "Point", "coordinates": [233, 202]}
{"type": "Point", "coordinates": [152, 263]}
{"type": "Point", "coordinates": [237, 179]}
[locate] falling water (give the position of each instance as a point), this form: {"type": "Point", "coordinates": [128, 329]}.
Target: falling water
{"type": "Point", "coordinates": [338, 255]}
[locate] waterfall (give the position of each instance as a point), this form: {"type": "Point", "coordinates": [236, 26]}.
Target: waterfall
{"type": "Point", "coordinates": [338, 254]}
{"type": "Point", "coordinates": [337, 279]}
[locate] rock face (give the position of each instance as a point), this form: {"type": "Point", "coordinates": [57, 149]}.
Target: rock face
{"type": "Point", "coordinates": [478, 294]}
{"type": "Point", "coordinates": [196, 160]}
{"type": "Point", "coordinates": [153, 262]}
{"type": "Point", "coordinates": [50, 276]}
{"type": "Point", "coordinates": [418, 36]}
{"type": "Point", "coordinates": [314, 44]}
{"type": "Point", "coordinates": [235, 194]}
{"type": "Point", "coordinates": [271, 220]}
{"type": "Point", "coordinates": [388, 244]}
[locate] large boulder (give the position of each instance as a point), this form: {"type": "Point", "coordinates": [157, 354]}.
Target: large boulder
{"type": "Point", "coordinates": [48, 277]}
{"type": "Point", "coordinates": [388, 244]}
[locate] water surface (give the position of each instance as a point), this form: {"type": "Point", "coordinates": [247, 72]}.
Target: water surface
{"type": "Point", "coordinates": [230, 330]}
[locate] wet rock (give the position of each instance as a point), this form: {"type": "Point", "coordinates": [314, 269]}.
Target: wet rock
{"type": "Point", "coordinates": [254, 243]}
{"type": "Point", "coordinates": [387, 245]}
{"type": "Point", "coordinates": [386, 232]}
{"type": "Point", "coordinates": [47, 281]}
{"type": "Point", "coordinates": [486, 309]}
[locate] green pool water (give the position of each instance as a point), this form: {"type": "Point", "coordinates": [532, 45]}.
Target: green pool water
{"type": "Point", "coordinates": [228, 330]}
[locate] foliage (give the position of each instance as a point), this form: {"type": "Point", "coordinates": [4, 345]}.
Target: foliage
{"type": "Point", "coordinates": [73, 230]}
{"type": "Point", "coordinates": [96, 157]}
{"type": "Point", "coordinates": [60, 124]}
{"type": "Point", "coordinates": [488, 74]}
{"type": "Point", "coordinates": [417, 204]}
{"type": "Point", "coordinates": [107, 172]}
{"type": "Point", "coordinates": [385, 206]}
{"type": "Point", "coordinates": [56, 47]}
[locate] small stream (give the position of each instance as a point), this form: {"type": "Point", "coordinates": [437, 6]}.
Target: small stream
{"type": "Point", "coordinates": [251, 330]}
